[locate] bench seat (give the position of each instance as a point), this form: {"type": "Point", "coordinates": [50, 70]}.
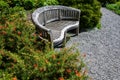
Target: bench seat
{"type": "Point", "coordinates": [58, 27]}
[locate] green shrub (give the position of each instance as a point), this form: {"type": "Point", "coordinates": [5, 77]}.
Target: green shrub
{"type": "Point", "coordinates": [104, 2]}
{"type": "Point", "coordinates": [14, 37]}
{"type": "Point", "coordinates": [3, 5]}
{"type": "Point", "coordinates": [27, 4]}
{"type": "Point", "coordinates": [118, 5]}
{"type": "Point", "coordinates": [115, 7]}
{"type": "Point", "coordinates": [3, 11]}
{"type": "Point", "coordinates": [111, 6]}
{"type": "Point", "coordinates": [67, 2]}
{"type": "Point", "coordinates": [23, 58]}
{"type": "Point", "coordinates": [30, 4]}
{"type": "Point", "coordinates": [43, 66]}
{"type": "Point", "coordinates": [50, 2]}
{"type": "Point", "coordinates": [90, 12]}
{"type": "Point", "coordinates": [4, 75]}
{"type": "Point", "coordinates": [8, 14]}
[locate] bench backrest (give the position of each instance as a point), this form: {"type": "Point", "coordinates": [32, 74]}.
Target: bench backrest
{"type": "Point", "coordinates": [52, 13]}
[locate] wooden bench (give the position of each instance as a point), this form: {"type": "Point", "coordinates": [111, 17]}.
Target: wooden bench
{"type": "Point", "coordinates": [53, 22]}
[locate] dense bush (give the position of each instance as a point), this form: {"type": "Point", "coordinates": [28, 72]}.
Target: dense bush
{"type": "Point", "coordinates": [30, 4]}
{"type": "Point", "coordinates": [8, 13]}
{"type": "Point", "coordinates": [90, 12]}
{"type": "Point", "coordinates": [3, 5]}
{"type": "Point", "coordinates": [23, 58]}
{"type": "Point", "coordinates": [104, 2]}
{"type": "Point", "coordinates": [36, 65]}
{"type": "Point", "coordinates": [115, 7]}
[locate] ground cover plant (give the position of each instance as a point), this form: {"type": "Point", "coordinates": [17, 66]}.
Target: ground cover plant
{"type": "Point", "coordinates": [21, 54]}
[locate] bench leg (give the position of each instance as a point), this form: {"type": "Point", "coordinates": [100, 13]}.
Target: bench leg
{"type": "Point", "coordinates": [64, 41]}
{"type": "Point", "coordinates": [77, 31]}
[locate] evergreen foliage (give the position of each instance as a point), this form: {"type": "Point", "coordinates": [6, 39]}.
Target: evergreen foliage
{"type": "Point", "coordinates": [21, 54]}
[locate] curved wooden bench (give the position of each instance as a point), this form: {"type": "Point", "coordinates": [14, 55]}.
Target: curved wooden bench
{"type": "Point", "coordinates": [52, 23]}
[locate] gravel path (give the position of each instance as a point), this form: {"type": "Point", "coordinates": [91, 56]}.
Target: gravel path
{"type": "Point", "coordinates": [102, 47]}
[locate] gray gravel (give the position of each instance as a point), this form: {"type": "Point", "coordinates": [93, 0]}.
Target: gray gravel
{"type": "Point", "coordinates": [102, 47]}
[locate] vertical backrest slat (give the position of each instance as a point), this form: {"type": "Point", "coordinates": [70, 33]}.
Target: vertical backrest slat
{"type": "Point", "coordinates": [68, 14]}
{"type": "Point", "coordinates": [52, 15]}
{"type": "Point", "coordinates": [41, 18]}
{"type": "Point", "coordinates": [73, 14]}
{"type": "Point", "coordinates": [44, 17]}
{"type": "Point", "coordinates": [59, 14]}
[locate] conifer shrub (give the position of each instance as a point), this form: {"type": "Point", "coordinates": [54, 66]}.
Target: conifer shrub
{"type": "Point", "coordinates": [22, 59]}
{"type": "Point", "coordinates": [37, 65]}
{"type": "Point", "coordinates": [3, 10]}
{"type": "Point", "coordinates": [21, 55]}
